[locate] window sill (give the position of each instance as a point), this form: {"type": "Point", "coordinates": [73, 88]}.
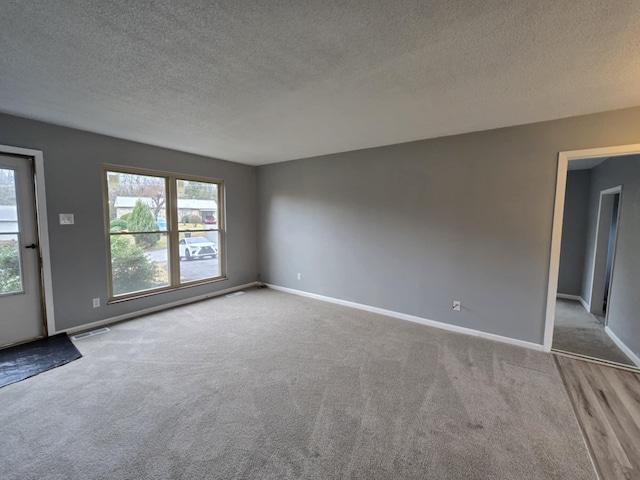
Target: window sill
{"type": "Point", "coordinates": [150, 293]}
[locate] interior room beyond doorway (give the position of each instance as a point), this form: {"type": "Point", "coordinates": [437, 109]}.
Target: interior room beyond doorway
{"type": "Point", "coordinates": [596, 307]}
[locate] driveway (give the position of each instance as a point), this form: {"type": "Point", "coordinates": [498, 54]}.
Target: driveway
{"type": "Point", "coordinates": [189, 270]}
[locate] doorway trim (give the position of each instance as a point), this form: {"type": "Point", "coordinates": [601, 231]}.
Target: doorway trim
{"type": "Point", "coordinates": [596, 245]}
{"type": "Point", "coordinates": [43, 231]}
{"type": "Point", "coordinates": [558, 213]}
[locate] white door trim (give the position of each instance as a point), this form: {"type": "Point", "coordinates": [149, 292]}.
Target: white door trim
{"type": "Point", "coordinates": [609, 191]}
{"type": "Point", "coordinates": [43, 230]}
{"type": "Point", "coordinates": [596, 244]}
{"type": "Point", "coordinates": [558, 213]}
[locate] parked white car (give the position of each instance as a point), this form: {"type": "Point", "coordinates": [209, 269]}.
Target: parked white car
{"type": "Point", "coordinates": [197, 247]}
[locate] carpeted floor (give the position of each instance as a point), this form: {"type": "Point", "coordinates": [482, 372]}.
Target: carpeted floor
{"type": "Point", "coordinates": [268, 385]}
{"type": "Point", "coordinates": [577, 331]}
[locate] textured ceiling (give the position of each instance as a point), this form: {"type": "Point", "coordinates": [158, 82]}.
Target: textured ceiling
{"type": "Point", "coordinates": [259, 82]}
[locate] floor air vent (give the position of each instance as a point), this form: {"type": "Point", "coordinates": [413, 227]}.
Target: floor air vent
{"type": "Point", "coordinates": [91, 333]}
{"type": "Point", "coordinates": [234, 294]}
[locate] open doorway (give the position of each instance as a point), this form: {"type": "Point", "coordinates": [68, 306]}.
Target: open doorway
{"type": "Point", "coordinates": [592, 306]}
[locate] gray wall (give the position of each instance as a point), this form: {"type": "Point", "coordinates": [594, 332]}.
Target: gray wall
{"type": "Point", "coordinates": [73, 160]}
{"type": "Point", "coordinates": [574, 232]}
{"type": "Point", "coordinates": [412, 227]}
{"type": "Point", "coordinates": [624, 300]}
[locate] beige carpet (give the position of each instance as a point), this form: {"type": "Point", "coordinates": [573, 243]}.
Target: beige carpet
{"type": "Point", "coordinates": [268, 385]}
{"type": "Point", "coordinates": [577, 331]}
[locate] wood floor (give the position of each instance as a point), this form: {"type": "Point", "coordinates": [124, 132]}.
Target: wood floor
{"type": "Point", "coordinates": [607, 404]}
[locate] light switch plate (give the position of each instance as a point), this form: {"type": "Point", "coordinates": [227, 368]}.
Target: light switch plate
{"type": "Point", "coordinates": [66, 219]}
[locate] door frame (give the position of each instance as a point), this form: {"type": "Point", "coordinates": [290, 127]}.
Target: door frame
{"type": "Point", "coordinates": [42, 227]}
{"type": "Point", "coordinates": [597, 245]}
{"type": "Point", "coordinates": [558, 216]}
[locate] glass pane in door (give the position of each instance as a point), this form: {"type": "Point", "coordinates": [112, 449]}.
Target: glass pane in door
{"type": "Point", "coordinates": [10, 269]}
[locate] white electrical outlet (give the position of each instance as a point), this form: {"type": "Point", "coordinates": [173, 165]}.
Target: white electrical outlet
{"type": "Point", "coordinates": [96, 302]}
{"type": "Point", "coordinates": [66, 219]}
{"type": "Point", "coordinates": [456, 305]}
{"type": "Point", "coordinates": [299, 276]}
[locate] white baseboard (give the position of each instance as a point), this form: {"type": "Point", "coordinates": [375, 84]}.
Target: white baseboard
{"type": "Point", "coordinates": [577, 298]}
{"type": "Point", "coordinates": [586, 306]}
{"type": "Point", "coordinates": [412, 318]}
{"type": "Point", "coordinates": [627, 351]}
{"type": "Point", "coordinates": [566, 296]}
{"type": "Point", "coordinates": [146, 311]}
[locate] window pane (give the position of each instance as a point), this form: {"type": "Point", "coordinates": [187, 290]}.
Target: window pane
{"type": "Point", "coordinates": [198, 256]}
{"type": "Point", "coordinates": [10, 271]}
{"type": "Point", "coordinates": [197, 205]}
{"type": "Point", "coordinates": [137, 203]}
{"type": "Point", "coordinates": [8, 209]}
{"type": "Point", "coordinates": [139, 262]}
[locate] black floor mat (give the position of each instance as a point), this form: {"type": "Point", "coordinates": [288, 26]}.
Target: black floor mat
{"type": "Point", "coordinates": [29, 359]}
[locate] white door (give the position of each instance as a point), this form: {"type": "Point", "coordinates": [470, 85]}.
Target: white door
{"type": "Point", "coordinates": [21, 317]}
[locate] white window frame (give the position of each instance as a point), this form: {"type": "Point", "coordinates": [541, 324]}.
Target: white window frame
{"type": "Point", "coordinates": [172, 230]}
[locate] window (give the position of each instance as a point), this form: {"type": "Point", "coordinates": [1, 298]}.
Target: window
{"type": "Point", "coordinates": [165, 231]}
{"type": "Point", "coordinates": [10, 262]}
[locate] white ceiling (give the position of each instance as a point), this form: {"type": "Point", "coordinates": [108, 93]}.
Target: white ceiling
{"type": "Point", "coordinates": [260, 82]}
